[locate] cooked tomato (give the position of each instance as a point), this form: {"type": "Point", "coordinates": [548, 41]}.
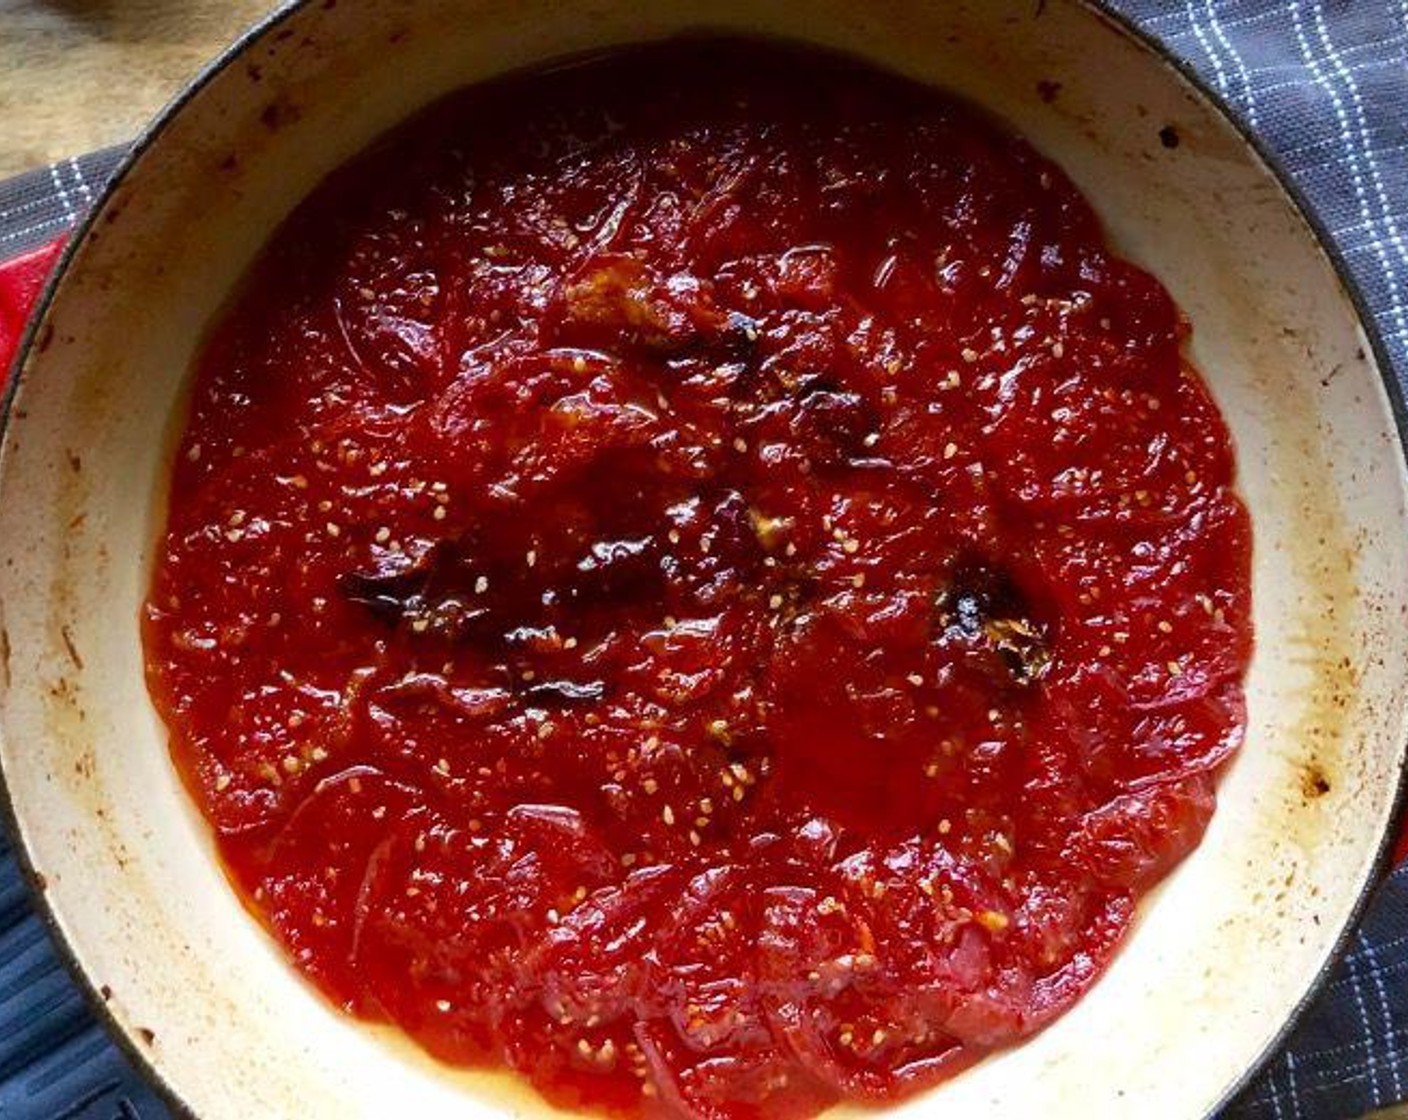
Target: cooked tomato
{"type": "Point", "coordinates": [700, 576]}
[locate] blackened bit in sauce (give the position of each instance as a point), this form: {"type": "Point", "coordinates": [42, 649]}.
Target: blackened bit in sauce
{"type": "Point", "coordinates": [984, 605]}
{"type": "Point", "coordinates": [831, 424]}
{"type": "Point", "coordinates": [613, 568]}
{"type": "Point", "coordinates": [392, 587]}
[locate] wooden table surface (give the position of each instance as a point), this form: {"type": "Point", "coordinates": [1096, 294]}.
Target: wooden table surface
{"type": "Point", "coordinates": [76, 75]}
{"type": "Point", "coordinates": [82, 74]}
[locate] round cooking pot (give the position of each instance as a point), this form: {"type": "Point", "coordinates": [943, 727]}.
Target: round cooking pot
{"type": "Point", "coordinates": [1223, 953]}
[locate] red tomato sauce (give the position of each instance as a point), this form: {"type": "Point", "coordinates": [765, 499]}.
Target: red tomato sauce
{"type": "Point", "coordinates": [702, 578]}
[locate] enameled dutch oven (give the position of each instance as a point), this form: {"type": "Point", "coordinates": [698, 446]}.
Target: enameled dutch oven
{"type": "Point", "coordinates": [1224, 953]}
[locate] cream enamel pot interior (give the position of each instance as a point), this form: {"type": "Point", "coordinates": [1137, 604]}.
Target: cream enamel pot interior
{"type": "Point", "coordinates": [1224, 952]}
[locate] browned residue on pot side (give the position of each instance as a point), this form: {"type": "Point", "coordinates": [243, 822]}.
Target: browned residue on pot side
{"type": "Point", "coordinates": [1323, 555]}
{"type": "Point", "coordinates": [64, 710]}
{"type": "Point", "coordinates": [80, 567]}
{"type": "Point", "coordinates": [1326, 559]}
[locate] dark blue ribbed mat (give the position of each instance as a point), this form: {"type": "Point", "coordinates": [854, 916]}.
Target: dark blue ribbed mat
{"type": "Point", "coordinates": [1325, 83]}
{"type": "Point", "coordinates": [56, 1062]}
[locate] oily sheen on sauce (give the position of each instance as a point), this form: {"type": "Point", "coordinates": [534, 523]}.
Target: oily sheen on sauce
{"type": "Point", "coordinates": [700, 576]}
